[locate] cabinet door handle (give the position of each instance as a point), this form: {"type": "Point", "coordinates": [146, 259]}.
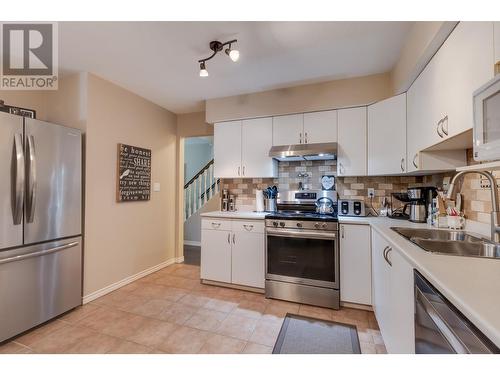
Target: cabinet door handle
{"type": "Point", "coordinates": [402, 162]}
{"type": "Point", "coordinates": [414, 159]}
{"type": "Point", "coordinates": [343, 231]}
{"type": "Point", "coordinates": [215, 225]}
{"type": "Point", "coordinates": [248, 227]}
{"type": "Point", "coordinates": [239, 171]}
{"type": "Point", "coordinates": [383, 252]}
{"type": "Point", "coordinates": [234, 236]}
{"type": "Point", "coordinates": [300, 137]}
{"type": "Point", "coordinates": [439, 128]}
{"type": "Point", "coordinates": [445, 131]}
{"type": "Point", "coordinates": [305, 137]}
{"type": "Point", "coordinates": [243, 170]}
{"type": "Point", "coordinates": [387, 250]}
{"type": "Point", "coordinates": [341, 168]}
{"type": "Point", "coordinates": [229, 238]}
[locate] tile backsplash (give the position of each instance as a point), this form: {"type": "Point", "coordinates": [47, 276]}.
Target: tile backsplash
{"type": "Point", "coordinates": [347, 187]}
{"type": "Point", "coordinates": [477, 202]}
{"type": "Point", "coordinates": [477, 196]}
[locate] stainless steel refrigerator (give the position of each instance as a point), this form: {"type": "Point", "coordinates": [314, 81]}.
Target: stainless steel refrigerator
{"type": "Point", "coordinates": [40, 222]}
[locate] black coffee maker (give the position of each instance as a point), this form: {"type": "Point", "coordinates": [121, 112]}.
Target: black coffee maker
{"type": "Point", "coordinates": [420, 199]}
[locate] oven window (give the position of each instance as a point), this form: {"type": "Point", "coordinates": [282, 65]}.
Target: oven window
{"type": "Point", "coordinates": [301, 257]}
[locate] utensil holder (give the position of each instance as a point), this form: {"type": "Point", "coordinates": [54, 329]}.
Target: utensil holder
{"type": "Point", "coordinates": [270, 204]}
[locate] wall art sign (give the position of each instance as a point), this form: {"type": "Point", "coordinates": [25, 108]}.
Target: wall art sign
{"type": "Point", "coordinates": [134, 174]}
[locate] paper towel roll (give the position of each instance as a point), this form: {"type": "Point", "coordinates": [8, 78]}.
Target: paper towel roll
{"type": "Point", "coordinates": [259, 201]}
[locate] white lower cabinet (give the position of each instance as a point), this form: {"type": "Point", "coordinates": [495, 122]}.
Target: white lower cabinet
{"type": "Point", "coordinates": [216, 255]}
{"type": "Point", "coordinates": [233, 252]}
{"type": "Point", "coordinates": [355, 264]}
{"type": "Point", "coordinates": [392, 295]}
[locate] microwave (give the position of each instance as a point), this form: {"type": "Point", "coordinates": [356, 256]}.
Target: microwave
{"type": "Point", "coordinates": [486, 106]}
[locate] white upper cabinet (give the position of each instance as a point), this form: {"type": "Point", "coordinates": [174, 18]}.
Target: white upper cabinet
{"type": "Point", "coordinates": [440, 100]}
{"type": "Point", "coordinates": [227, 149]}
{"type": "Point", "coordinates": [288, 130]}
{"type": "Point", "coordinates": [312, 127]}
{"type": "Point", "coordinates": [351, 158]}
{"type": "Point", "coordinates": [496, 38]}
{"type": "Point", "coordinates": [465, 63]}
{"type": "Point", "coordinates": [387, 136]}
{"type": "Point", "coordinates": [241, 149]}
{"type": "Point", "coordinates": [320, 127]}
{"type": "Point", "coordinates": [256, 140]}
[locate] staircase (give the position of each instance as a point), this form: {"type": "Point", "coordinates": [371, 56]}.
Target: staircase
{"type": "Point", "coordinates": [200, 189]}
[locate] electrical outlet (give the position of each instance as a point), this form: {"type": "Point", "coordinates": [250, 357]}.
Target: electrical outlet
{"type": "Point", "coordinates": [371, 192]}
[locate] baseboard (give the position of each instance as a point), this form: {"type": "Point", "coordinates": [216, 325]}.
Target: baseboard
{"type": "Point", "coordinates": [192, 243]}
{"type": "Point", "coordinates": [356, 306]}
{"type": "Point", "coordinates": [110, 288]}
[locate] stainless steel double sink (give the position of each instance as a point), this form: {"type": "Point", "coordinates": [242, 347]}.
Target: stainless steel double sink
{"type": "Point", "coordinates": [450, 242]}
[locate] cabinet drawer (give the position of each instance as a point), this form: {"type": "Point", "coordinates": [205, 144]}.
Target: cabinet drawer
{"type": "Point", "coordinates": [216, 224]}
{"type": "Point", "coordinates": [251, 226]}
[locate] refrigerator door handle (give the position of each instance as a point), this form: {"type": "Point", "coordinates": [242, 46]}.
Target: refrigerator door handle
{"type": "Point", "coordinates": [31, 199]}
{"type": "Point", "coordinates": [19, 180]}
{"type": "Point", "coordinates": [38, 253]}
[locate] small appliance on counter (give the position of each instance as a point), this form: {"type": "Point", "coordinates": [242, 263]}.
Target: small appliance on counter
{"type": "Point", "coordinates": [352, 207]}
{"type": "Point", "coordinates": [400, 212]}
{"type": "Point", "coordinates": [420, 201]}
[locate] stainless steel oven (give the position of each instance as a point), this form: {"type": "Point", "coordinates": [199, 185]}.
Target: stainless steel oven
{"type": "Point", "coordinates": [302, 261]}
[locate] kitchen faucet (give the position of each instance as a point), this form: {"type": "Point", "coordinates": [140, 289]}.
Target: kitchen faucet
{"type": "Point", "coordinates": [495, 213]}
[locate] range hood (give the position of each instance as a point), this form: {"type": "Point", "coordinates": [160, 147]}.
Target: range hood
{"type": "Point", "coordinates": [305, 151]}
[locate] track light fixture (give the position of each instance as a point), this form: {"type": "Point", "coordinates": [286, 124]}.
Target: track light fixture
{"type": "Point", "coordinates": [216, 47]}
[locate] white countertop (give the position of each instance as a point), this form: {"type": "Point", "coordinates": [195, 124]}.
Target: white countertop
{"type": "Point", "coordinates": [252, 215]}
{"type": "Point", "coordinates": [471, 284]}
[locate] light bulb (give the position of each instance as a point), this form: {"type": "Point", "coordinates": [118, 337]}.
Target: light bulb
{"type": "Point", "coordinates": [203, 70]}
{"type": "Point", "coordinates": [234, 55]}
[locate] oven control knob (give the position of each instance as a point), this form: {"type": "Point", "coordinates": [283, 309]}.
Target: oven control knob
{"type": "Point", "coordinates": [324, 225]}
{"type": "Point", "coordinates": [282, 224]}
{"type": "Point", "coordinates": [275, 224]}
{"type": "Point", "coordinates": [299, 225]}
{"type": "Point", "coordinates": [317, 225]}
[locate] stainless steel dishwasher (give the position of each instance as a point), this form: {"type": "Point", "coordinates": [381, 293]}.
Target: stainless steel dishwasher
{"type": "Point", "coordinates": [440, 328]}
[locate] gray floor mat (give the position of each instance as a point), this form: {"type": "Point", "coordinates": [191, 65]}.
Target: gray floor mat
{"type": "Point", "coordinates": [304, 335]}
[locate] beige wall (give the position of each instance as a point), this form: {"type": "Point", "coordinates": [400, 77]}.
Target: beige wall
{"type": "Point", "coordinates": [68, 105]}
{"type": "Point", "coordinates": [188, 125]}
{"type": "Point", "coordinates": [26, 99]}
{"type": "Point", "coordinates": [122, 239]}
{"type": "Point", "coordinates": [424, 40]}
{"type": "Point", "coordinates": [314, 97]}
{"type": "Point", "coordinates": [193, 125]}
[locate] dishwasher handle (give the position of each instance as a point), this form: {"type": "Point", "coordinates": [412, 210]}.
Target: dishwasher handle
{"type": "Point", "coordinates": [443, 327]}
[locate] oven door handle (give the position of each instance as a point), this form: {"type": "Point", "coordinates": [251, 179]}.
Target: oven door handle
{"type": "Point", "coordinates": [301, 234]}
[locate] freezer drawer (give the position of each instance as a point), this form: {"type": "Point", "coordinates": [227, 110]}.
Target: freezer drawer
{"type": "Point", "coordinates": [38, 283]}
{"type": "Point", "coordinates": [53, 182]}
{"type": "Point", "coordinates": [11, 180]}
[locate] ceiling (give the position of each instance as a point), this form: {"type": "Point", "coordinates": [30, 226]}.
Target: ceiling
{"type": "Point", "coordinates": [158, 60]}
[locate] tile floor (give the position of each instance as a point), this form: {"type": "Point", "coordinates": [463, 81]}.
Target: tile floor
{"type": "Point", "coordinates": [170, 311]}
